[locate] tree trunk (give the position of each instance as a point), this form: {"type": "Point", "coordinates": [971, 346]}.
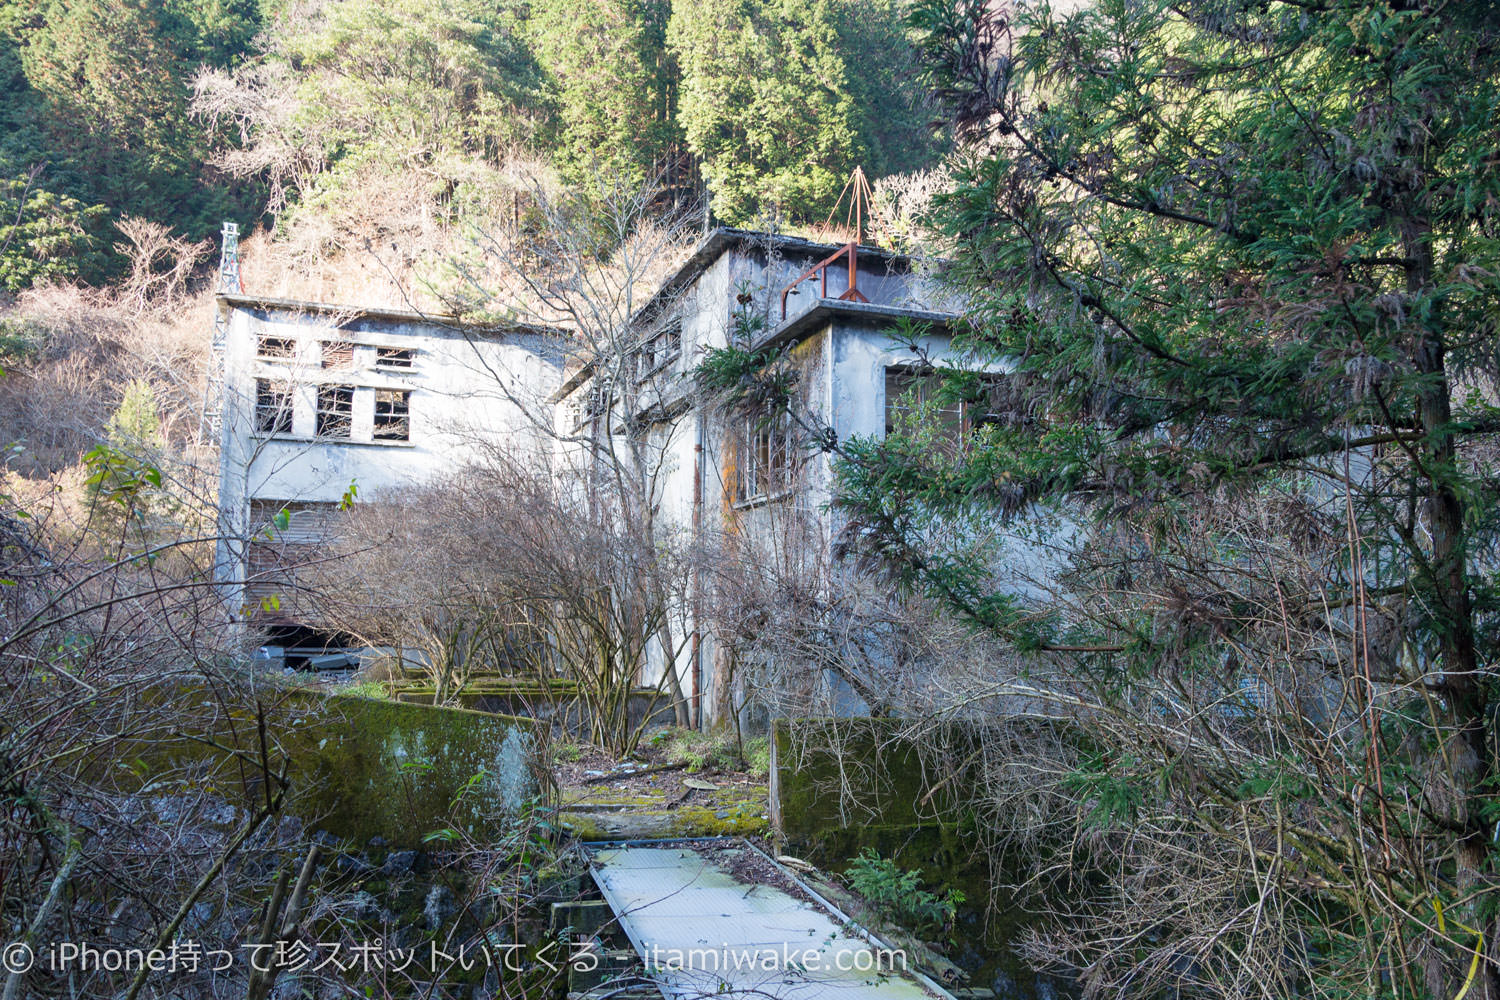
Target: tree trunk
{"type": "Point", "coordinates": [1472, 759]}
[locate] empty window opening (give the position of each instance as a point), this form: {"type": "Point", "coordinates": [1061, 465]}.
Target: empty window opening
{"type": "Point", "coordinates": [767, 465]}
{"type": "Point", "coordinates": [392, 415]}
{"type": "Point", "coordinates": [335, 411]}
{"type": "Point", "coordinates": [275, 348]}
{"type": "Point", "coordinates": [658, 351]}
{"type": "Point", "coordinates": [915, 405]}
{"type": "Point", "coordinates": [273, 407]}
{"type": "Point", "coordinates": [395, 357]}
{"type": "Point", "coordinates": [591, 403]}
{"type": "Point", "coordinates": [338, 355]}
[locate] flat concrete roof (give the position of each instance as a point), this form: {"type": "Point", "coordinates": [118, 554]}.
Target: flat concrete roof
{"type": "Point", "coordinates": [345, 313]}
{"type": "Point", "coordinates": [821, 311]}
{"type": "Point", "coordinates": [715, 243]}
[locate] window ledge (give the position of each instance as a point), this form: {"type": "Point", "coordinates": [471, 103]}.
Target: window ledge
{"type": "Point", "coordinates": [662, 367]}
{"type": "Point", "coordinates": [303, 439]}
{"type": "Point", "coordinates": [763, 500]}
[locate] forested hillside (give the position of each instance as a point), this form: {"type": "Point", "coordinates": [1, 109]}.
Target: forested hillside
{"type": "Point", "coordinates": [341, 120]}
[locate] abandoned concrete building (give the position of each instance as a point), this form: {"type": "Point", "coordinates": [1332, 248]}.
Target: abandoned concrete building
{"type": "Point", "coordinates": [316, 397]}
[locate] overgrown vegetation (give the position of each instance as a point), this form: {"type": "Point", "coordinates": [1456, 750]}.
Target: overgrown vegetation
{"type": "Point", "coordinates": [341, 121]}
{"type": "Point", "coordinates": [154, 790]}
{"type": "Point", "coordinates": [1214, 560]}
{"type": "Point", "coordinates": [898, 895]}
{"type": "Point", "coordinates": [1227, 517]}
{"type": "Point", "coordinates": [1237, 260]}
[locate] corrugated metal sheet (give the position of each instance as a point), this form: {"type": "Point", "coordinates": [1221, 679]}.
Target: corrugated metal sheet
{"type": "Point", "coordinates": [703, 932]}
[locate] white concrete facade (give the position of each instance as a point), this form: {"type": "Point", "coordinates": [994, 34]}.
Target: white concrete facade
{"type": "Point", "coordinates": [699, 481]}
{"type": "Point", "coordinates": [709, 476]}
{"type": "Point", "coordinates": [363, 403]}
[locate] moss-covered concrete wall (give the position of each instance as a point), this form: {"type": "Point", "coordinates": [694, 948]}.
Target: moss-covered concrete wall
{"type": "Point", "coordinates": [402, 771]}
{"type": "Point", "coordinates": [361, 768]}
{"type": "Point", "coordinates": [829, 776]}
{"type": "Point", "coordinates": [557, 702]}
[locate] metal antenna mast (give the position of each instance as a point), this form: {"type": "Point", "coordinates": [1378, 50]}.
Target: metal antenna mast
{"type": "Point", "coordinates": [857, 187]}
{"type": "Point", "coordinates": [213, 386]}
{"type": "Point", "coordinates": [229, 259]}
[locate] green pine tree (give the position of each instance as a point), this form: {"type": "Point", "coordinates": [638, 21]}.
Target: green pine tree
{"type": "Point", "coordinates": [96, 95]}
{"type": "Point", "coordinates": [1242, 262]}
{"type": "Point", "coordinates": [767, 105]}
{"type": "Point", "coordinates": [615, 84]}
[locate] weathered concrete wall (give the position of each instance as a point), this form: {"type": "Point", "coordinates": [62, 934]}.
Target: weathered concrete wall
{"type": "Point", "coordinates": [557, 703]}
{"type": "Point", "coordinates": [360, 768]}
{"type": "Point", "coordinates": [840, 782]}
{"type": "Point", "coordinates": [695, 453]}
{"type": "Point", "coordinates": [469, 387]}
{"type": "Point", "coordinates": [402, 771]}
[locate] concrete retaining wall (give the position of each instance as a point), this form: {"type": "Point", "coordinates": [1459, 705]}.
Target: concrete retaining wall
{"type": "Point", "coordinates": [360, 768]}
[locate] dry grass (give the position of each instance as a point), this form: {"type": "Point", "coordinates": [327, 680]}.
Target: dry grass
{"type": "Point", "coordinates": [79, 348]}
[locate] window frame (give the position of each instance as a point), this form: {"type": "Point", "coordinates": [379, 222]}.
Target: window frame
{"type": "Point", "coordinates": [393, 419]}
{"type": "Point", "coordinates": [287, 350]}
{"type": "Point", "coordinates": [323, 412]}
{"type": "Point", "coordinates": [280, 412]}
{"type": "Point", "coordinates": [658, 351]}
{"type": "Point", "coordinates": [768, 465]}
{"type": "Point", "coordinates": [383, 361]}
{"type": "Point", "coordinates": [962, 418]}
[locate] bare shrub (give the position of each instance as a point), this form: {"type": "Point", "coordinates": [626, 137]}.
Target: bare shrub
{"type": "Point", "coordinates": [74, 350]}
{"type": "Point", "coordinates": [160, 264]}
{"type": "Point", "coordinates": [592, 268]}
{"type": "Point", "coordinates": [505, 570]}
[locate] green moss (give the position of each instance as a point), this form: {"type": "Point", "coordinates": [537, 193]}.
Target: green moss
{"type": "Point", "coordinates": [584, 826]}
{"type": "Point", "coordinates": [836, 774]}
{"type": "Point", "coordinates": [704, 821]}
{"type": "Point", "coordinates": [403, 771]}
{"type": "Point", "coordinates": [361, 768]}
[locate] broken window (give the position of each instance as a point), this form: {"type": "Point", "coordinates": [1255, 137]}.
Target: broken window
{"type": "Point", "coordinates": [392, 415]}
{"type": "Point", "coordinates": [592, 403]}
{"type": "Point", "coordinates": [273, 407]}
{"type": "Point", "coordinates": [275, 348]}
{"type": "Point", "coordinates": [916, 404]}
{"type": "Point", "coordinates": [338, 355]}
{"type": "Point", "coordinates": [658, 351]}
{"type": "Point", "coordinates": [395, 357]}
{"type": "Point", "coordinates": [768, 458]}
{"type": "Point", "coordinates": [335, 411]}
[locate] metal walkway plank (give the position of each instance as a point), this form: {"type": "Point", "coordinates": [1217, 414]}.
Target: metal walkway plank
{"type": "Point", "coordinates": [703, 933]}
